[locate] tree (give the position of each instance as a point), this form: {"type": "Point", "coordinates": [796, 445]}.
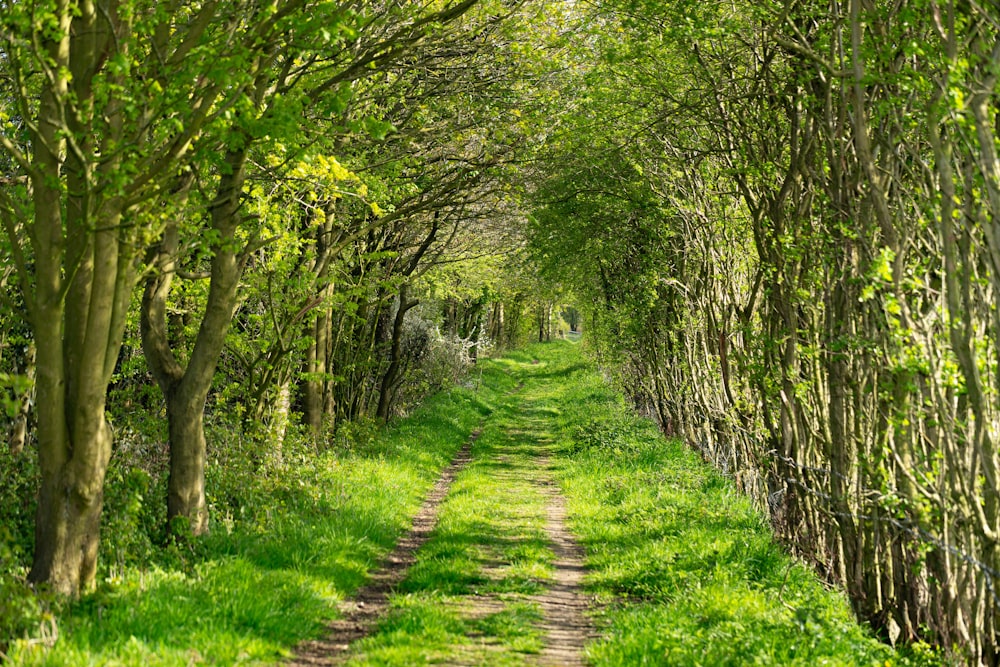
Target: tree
{"type": "Point", "coordinates": [112, 96]}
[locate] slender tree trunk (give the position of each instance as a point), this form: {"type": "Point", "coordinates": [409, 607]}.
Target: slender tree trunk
{"type": "Point", "coordinates": [19, 430]}
{"type": "Point", "coordinates": [317, 360]}
{"type": "Point", "coordinates": [279, 421]}
{"type": "Point", "coordinates": [475, 330]}
{"type": "Point", "coordinates": [389, 378]}
{"type": "Point", "coordinates": [497, 326]}
{"type": "Point", "coordinates": [451, 316]}
{"type": "Point", "coordinates": [388, 383]}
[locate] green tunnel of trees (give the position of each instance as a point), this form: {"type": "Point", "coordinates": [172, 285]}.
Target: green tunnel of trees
{"type": "Point", "coordinates": [777, 221]}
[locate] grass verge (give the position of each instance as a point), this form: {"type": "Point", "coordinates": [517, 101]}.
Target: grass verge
{"type": "Point", "coordinates": [262, 582]}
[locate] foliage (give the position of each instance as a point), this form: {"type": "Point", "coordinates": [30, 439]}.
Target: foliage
{"type": "Point", "coordinates": [775, 221]}
{"type": "Point", "coordinates": [280, 202]}
{"type": "Point", "coordinates": [17, 501]}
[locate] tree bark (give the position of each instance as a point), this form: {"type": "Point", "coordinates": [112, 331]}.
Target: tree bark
{"type": "Point", "coordinates": [317, 366]}
{"type": "Point", "coordinates": [19, 429]}
{"type": "Point", "coordinates": [388, 383]}
{"type": "Point", "coordinates": [186, 506]}
{"type": "Point", "coordinates": [82, 283]}
{"type": "Point", "coordinates": [475, 329]}
{"type": "Point", "coordinates": [186, 389]}
{"type": "Point", "coordinates": [279, 421]}
{"type": "Point", "coordinates": [497, 325]}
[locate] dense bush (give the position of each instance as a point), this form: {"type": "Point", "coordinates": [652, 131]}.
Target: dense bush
{"type": "Point", "coordinates": [18, 482]}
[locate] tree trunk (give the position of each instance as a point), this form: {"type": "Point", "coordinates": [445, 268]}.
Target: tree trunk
{"type": "Point", "coordinates": [388, 383]}
{"type": "Point", "coordinates": [450, 324]}
{"type": "Point", "coordinates": [314, 387]}
{"type": "Point", "coordinates": [475, 332]}
{"type": "Point", "coordinates": [186, 389]}
{"type": "Point", "coordinates": [19, 430]}
{"type": "Point", "coordinates": [74, 440]}
{"type": "Point", "coordinates": [497, 326]}
{"type": "Point", "coordinates": [186, 506]}
{"type": "Point", "coordinates": [279, 421]}
{"type": "Point", "coordinates": [67, 525]}
{"type": "Point", "coordinates": [78, 325]}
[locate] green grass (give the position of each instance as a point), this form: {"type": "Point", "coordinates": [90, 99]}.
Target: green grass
{"type": "Point", "coordinates": [686, 568]}
{"type": "Point", "coordinates": [467, 598]}
{"type": "Point", "coordinates": [260, 584]}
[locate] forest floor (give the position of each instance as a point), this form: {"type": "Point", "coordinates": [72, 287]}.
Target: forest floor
{"type": "Point", "coordinates": [528, 518]}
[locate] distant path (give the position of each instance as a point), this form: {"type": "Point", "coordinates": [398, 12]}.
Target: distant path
{"type": "Point", "coordinates": [370, 602]}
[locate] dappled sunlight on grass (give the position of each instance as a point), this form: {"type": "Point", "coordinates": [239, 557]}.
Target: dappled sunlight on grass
{"type": "Point", "coordinates": [686, 566]}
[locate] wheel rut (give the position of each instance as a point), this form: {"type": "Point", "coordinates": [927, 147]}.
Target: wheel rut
{"type": "Point", "coordinates": [565, 622]}
{"type": "Point", "coordinates": [361, 612]}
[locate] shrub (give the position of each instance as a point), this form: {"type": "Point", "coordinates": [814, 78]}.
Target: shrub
{"type": "Point", "coordinates": [18, 485]}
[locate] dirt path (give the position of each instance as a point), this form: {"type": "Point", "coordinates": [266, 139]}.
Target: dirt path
{"type": "Point", "coordinates": [566, 625]}
{"type": "Point", "coordinates": [371, 601]}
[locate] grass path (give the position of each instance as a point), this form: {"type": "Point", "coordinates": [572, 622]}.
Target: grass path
{"type": "Point", "coordinates": [498, 583]}
{"type": "Point", "coordinates": [360, 613]}
{"type": "Point", "coordinates": [679, 569]}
